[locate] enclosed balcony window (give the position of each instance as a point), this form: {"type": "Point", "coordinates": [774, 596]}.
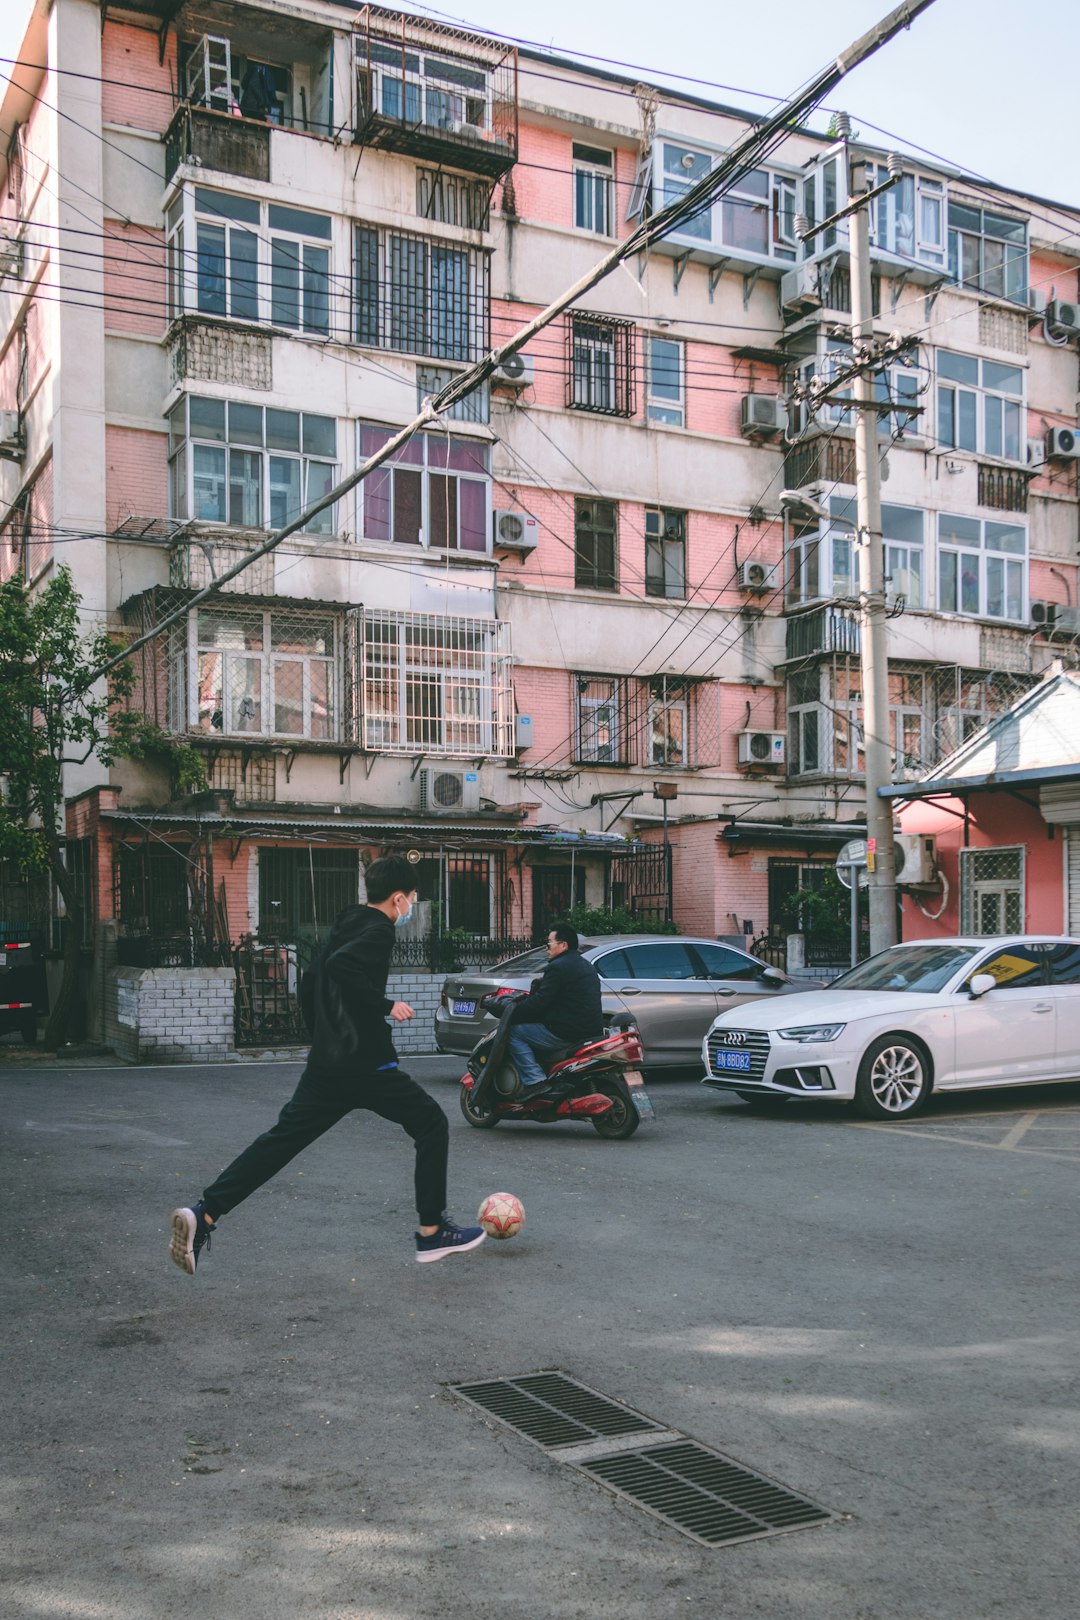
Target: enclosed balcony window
{"type": "Point", "coordinates": [988, 251]}
{"type": "Point", "coordinates": [250, 466]}
{"type": "Point", "coordinates": [754, 218]}
{"type": "Point", "coordinates": [434, 492]}
{"type": "Point", "coordinates": [261, 673]}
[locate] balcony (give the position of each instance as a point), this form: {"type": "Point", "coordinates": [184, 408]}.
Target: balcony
{"type": "Point", "coordinates": [828, 629]}
{"type": "Point", "coordinates": [1004, 489]}
{"type": "Point", "coordinates": [435, 93]}
{"type": "Point", "coordinates": [199, 559]}
{"type": "Point", "coordinates": [215, 140]}
{"type": "Point", "coordinates": [824, 459]}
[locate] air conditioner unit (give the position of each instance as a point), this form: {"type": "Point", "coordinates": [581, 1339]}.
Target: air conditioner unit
{"type": "Point", "coordinates": [1066, 621]}
{"type": "Point", "coordinates": [1062, 320]}
{"type": "Point", "coordinates": [799, 289]}
{"type": "Point", "coordinates": [517, 372]}
{"type": "Point", "coordinates": [766, 748]}
{"type": "Point", "coordinates": [1062, 443]}
{"type": "Point", "coordinates": [12, 439]}
{"type": "Point", "coordinates": [763, 414]}
{"type": "Point", "coordinates": [916, 858]}
{"type": "Point", "coordinates": [446, 792]}
{"type": "Point", "coordinates": [1044, 613]}
{"type": "Point", "coordinates": [1036, 452]}
{"type": "Point", "coordinates": [515, 531]}
{"type": "Point", "coordinates": [756, 576]}
{"type": "Point", "coordinates": [1036, 301]}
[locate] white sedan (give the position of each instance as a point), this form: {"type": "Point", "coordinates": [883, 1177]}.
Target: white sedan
{"type": "Point", "coordinates": [933, 1015]}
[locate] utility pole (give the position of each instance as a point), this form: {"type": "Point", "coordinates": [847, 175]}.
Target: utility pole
{"type": "Point", "coordinates": [871, 550]}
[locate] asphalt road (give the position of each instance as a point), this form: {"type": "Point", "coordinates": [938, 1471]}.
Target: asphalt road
{"type": "Point", "coordinates": [883, 1318]}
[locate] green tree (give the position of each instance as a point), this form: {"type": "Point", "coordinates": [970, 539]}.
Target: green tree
{"type": "Point", "coordinates": [55, 715]}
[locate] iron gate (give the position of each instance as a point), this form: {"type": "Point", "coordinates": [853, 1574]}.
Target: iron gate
{"type": "Point", "coordinates": [639, 881]}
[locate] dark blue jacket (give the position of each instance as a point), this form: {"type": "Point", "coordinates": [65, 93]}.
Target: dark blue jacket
{"type": "Point", "coordinates": [343, 995]}
{"type": "Point", "coordinates": [566, 1000]}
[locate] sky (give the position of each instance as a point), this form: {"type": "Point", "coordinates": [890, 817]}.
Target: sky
{"type": "Point", "coordinates": [968, 81]}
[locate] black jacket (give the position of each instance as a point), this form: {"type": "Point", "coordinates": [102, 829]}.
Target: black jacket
{"type": "Point", "coordinates": [343, 995]}
{"type": "Point", "coordinates": [566, 1000]}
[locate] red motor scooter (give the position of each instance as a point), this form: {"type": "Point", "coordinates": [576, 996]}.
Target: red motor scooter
{"type": "Point", "coordinates": [599, 1082]}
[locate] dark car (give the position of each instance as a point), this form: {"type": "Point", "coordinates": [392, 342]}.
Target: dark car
{"type": "Point", "coordinates": [673, 988]}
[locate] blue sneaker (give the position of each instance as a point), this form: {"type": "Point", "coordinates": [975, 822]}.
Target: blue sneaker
{"type": "Point", "coordinates": [191, 1233]}
{"type": "Point", "coordinates": [449, 1239]}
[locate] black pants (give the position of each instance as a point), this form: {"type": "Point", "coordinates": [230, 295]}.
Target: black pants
{"type": "Point", "coordinates": [318, 1102]}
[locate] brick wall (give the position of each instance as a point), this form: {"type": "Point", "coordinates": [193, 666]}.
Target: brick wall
{"type": "Point", "coordinates": [170, 1015]}
{"type": "Point", "coordinates": [138, 89]}
{"type": "Point", "coordinates": [134, 279]}
{"type": "Point", "coordinates": [421, 991]}
{"type": "Point", "coordinates": [136, 473]}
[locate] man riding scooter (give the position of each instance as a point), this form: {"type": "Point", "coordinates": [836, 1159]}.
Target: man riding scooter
{"type": "Point", "coordinates": [564, 1005]}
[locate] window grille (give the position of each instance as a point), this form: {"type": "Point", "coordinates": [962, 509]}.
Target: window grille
{"type": "Point", "coordinates": [432, 684]}
{"type": "Point", "coordinates": [992, 890]}
{"type": "Point", "coordinates": [451, 199]}
{"type": "Point", "coordinates": [301, 891]}
{"type": "Point", "coordinates": [600, 362]}
{"type": "Point", "coordinates": [420, 296]}
{"type": "Point", "coordinates": [252, 672]}
{"type": "Point", "coordinates": [475, 407]}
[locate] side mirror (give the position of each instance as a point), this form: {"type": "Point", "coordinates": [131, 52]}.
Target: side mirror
{"type": "Point", "coordinates": [773, 975]}
{"type": "Point", "coordinates": [980, 983]}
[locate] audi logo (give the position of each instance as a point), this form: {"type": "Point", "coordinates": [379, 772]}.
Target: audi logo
{"type": "Point", "coordinates": [734, 1037]}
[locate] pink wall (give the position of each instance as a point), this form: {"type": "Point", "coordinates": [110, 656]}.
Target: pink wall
{"type": "Point", "coordinates": [134, 279]}
{"type": "Point", "coordinates": [136, 473]}
{"type": "Point", "coordinates": [997, 820]}
{"type": "Point", "coordinates": [142, 91]}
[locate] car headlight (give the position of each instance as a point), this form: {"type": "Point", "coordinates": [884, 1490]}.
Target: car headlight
{"type": "Point", "coordinates": [812, 1032]}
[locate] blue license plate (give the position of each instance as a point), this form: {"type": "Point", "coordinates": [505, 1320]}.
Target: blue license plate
{"type": "Point", "coordinates": [464, 1009]}
{"type": "Point", "coordinates": [732, 1060]}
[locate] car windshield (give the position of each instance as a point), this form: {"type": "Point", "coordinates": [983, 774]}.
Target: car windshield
{"type": "Point", "coordinates": [516, 967]}
{"type": "Point", "coordinates": [913, 968]}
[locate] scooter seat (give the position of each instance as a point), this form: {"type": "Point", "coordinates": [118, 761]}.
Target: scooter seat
{"type": "Point", "coordinates": [559, 1054]}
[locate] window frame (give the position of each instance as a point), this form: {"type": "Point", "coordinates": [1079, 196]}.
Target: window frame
{"type": "Point", "coordinates": [659, 540]}
{"type": "Point", "coordinates": [593, 180]}
{"type": "Point", "coordinates": [667, 697]}
{"type": "Point", "coordinates": [422, 456]}
{"type": "Point", "coordinates": [470, 657]}
{"type": "Point", "coordinates": [660, 408]}
{"type": "Point", "coordinates": [1010, 563]}
{"type": "Point", "coordinates": [423, 317]}
{"type": "Point", "coordinates": [267, 656]}
{"type": "Point", "coordinates": [600, 364]}
{"type": "Point", "coordinates": [986, 400]}
{"type": "Point", "coordinates": [973, 888]}
{"type": "Point", "coordinates": [592, 575]}
{"type": "Point", "coordinates": [776, 196]}
{"type": "Point", "coordinates": [961, 232]}
{"type": "Point", "coordinates": [588, 705]}
{"type": "Point", "coordinates": [184, 443]}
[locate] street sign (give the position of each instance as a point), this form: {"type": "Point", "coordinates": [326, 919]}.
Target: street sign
{"type": "Point", "coordinates": [853, 855]}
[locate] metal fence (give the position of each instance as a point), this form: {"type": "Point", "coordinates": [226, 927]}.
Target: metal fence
{"type": "Point", "coordinates": [268, 992]}
{"type": "Point", "coordinates": [451, 952]}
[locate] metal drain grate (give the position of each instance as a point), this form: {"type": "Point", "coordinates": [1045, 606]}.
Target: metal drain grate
{"type": "Point", "coordinates": [703, 1494]}
{"type": "Point", "coordinates": [554, 1410]}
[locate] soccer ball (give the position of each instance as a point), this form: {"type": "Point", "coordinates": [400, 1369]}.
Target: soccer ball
{"type": "Point", "coordinates": [501, 1215]}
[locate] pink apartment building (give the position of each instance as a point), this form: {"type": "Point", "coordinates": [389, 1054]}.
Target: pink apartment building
{"type": "Point", "coordinates": [239, 244]}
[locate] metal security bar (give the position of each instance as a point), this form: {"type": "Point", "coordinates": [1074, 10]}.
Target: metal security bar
{"type": "Point", "coordinates": [600, 365]}
{"type": "Point", "coordinates": [431, 684]}
{"type": "Point", "coordinates": [420, 296]}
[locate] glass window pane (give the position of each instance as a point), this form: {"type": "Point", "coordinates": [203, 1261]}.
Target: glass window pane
{"type": "Point", "coordinates": [661, 961]}
{"type": "Point", "coordinates": [285, 283]}
{"type": "Point", "coordinates": [1012, 425]}
{"type": "Point", "coordinates": [745, 224]}
{"type": "Point", "coordinates": [1006, 537]}
{"type": "Point", "coordinates": [245, 488]}
{"type": "Point", "coordinates": [442, 511]}
{"type": "Point", "coordinates": [472, 515]}
{"type": "Point", "coordinates": [223, 205]}
{"type": "Point", "coordinates": [967, 420]}
{"type": "Point", "coordinates": [288, 674]}
{"type": "Point", "coordinates": [283, 430]}
{"type": "Point", "coordinates": [299, 221]}
{"type": "Point", "coordinates": [993, 426]}
{"type": "Point", "coordinates": [320, 481]}
{"type": "Point", "coordinates": [320, 436]}
{"type": "Point", "coordinates": [210, 714]}
{"type": "Point", "coordinates": [316, 289]}
{"type": "Point", "coordinates": [407, 506]}
{"type": "Point", "coordinates": [959, 531]}
{"type": "Point", "coordinates": [245, 423]}
{"type": "Point", "coordinates": [245, 693]}
{"type": "Point", "coordinates": [720, 962]}
{"type": "Point", "coordinates": [969, 582]}
{"type": "Point", "coordinates": [210, 272]}
{"type": "Point", "coordinates": [1003, 379]}
{"type": "Point", "coordinates": [947, 582]}
{"type": "Point", "coordinates": [244, 275]}
{"type": "Point", "coordinates": [284, 490]}
{"type": "Point", "coordinates": [902, 523]}
{"type": "Point", "coordinates": [958, 367]}
{"type": "Point", "coordinates": [995, 587]}
{"type": "Point", "coordinates": [375, 498]}
{"type": "Point", "coordinates": [209, 480]}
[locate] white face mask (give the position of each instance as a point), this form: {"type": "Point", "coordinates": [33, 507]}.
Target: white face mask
{"type": "Point", "coordinates": [403, 916]}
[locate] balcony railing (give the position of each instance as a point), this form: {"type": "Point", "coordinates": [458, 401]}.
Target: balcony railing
{"type": "Point", "coordinates": [820, 460]}
{"type": "Point", "coordinates": [1004, 489]}
{"type": "Point", "coordinates": [435, 93]}
{"type": "Point", "coordinates": [828, 629]}
{"type": "Point", "coordinates": [217, 140]}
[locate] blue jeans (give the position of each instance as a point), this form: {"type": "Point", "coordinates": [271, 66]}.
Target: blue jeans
{"type": "Point", "coordinates": [527, 1043]}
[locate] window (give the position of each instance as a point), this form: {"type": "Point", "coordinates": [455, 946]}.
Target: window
{"type": "Point", "coordinates": [664, 371]}
{"type": "Point", "coordinates": [459, 889]}
{"type": "Point", "coordinates": [420, 296]}
{"type": "Point", "coordinates": [593, 188]}
{"type": "Point", "coordinates": [475, 407]}
{"type": "Point", "coordinates": [805, 716]}
{"type": "Point", "coordinates": [1064, 964]}
{"type": "Point", "coordinates": [982, 568]}
{"type": "Point", "coordinates": [719, 962]}
{"type": "Point", "coordinates": [236, 257]}
{"type": "Point", "coordinates": [988, 251]}
{"type": "Point", "coordinates": [434, 684]}
{"type": "Point", "coordinates": [665, 552]}
{"type": "Point", "coordinates": [601, 365]}
{"type": "Point", "coordinates": [421, 89]}
{"type": "Point", "coordinates": [256, 673]}
{"type": "Point", "coordinates": [1019, 967]}
{"type": "Point", "coordinates": [250, 466]}
{"type": "Point", "coordinates": [662, 961]}
{"type": "Point", "coordinates": [152, 888]}
{"type": "Point", "coordinates": [668, 721]}
{"type": "Point", "coordinates": [992, 890]}
{"type": "Point", "coordinates": [980, 406]}
{"type": "Point", "coordinates": [908, 219]}
{"type": "Point", "coordinates": [902, 528]}
{"type": "Point", "coordinates": [451, 199]}
{"type": "Point", "coordinates": [599, 735]}
{"type": "Point", "coordinates": [435, 492]}
{"type": "Point", "coordinates": [594, 545]}
{"type": "Point", "coordinates": [822, 561]}
{"type": "Point", "coordinates": [301, 891]}
{"type": "Point", "coordinates": [755, 217]}
{"type": "Point", "coordinates": [897, 386]}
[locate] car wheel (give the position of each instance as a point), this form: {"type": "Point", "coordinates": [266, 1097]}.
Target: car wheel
{"type": "Point", "coordinates": [28, 1031]}
{"type": "Point", "coordinates": [894, 1078]}
{"type": "Point", "coordinates": [481, 1119]}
